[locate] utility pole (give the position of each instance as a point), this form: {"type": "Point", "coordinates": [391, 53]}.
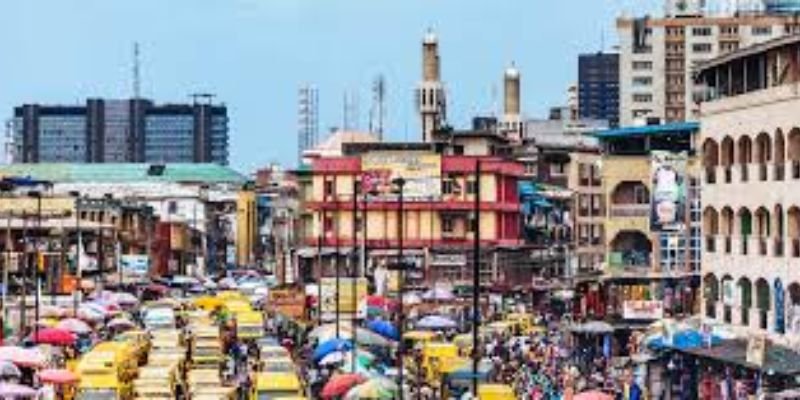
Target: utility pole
{"type": "Point", "coordinates": [476, 279]}
{"type": "Point", "coordinates": [400, 186]}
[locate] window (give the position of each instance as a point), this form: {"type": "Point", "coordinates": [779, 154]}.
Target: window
{"type": "Point", "coordinates": [701, 47]}
{"type": "Point", "coordinates": [642, 98]}
{"type": "Point", "coordinates": [640, 194]}
{"type": "Point", "coordinates": [642, 81]}
{"type": "Point", "coordinates": [701, 31]}
{"type": "Point", "coordinates": [472, 188]}
{"type": "Point", "coordinates": [642, 65]}
{"type": "Point", "coordinates": [328, 188]}
{"type": "Point", "coordinates": [448, 224]}
{"type": "Point", "coordinates": [172, 207]}
{"type": "Point", "coordinates": [727, 47]}
{"type": "Point", "coordinates": [729, 30]}
{"type": "Point", "coordinates": [447, 186]}
{"type": "Point", "coordinates": [471, 224]}
{"type": "Point", "coordinates": [761, 30]}
{"type": "Point", "coordinates": [328, 224]}
{"type": "Point", "coordinates": [558, 169]}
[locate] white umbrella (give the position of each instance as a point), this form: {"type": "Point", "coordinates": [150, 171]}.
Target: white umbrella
{"type": "Point", "coordinates": [333, 358]}
{"type": "Point", "coordinates": [124, 298]}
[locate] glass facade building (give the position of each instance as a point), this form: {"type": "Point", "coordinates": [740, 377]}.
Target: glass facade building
{"type": "Point", "coordinates": [135, 130]}
{"type": "Point", "coordinates": [598, 87]}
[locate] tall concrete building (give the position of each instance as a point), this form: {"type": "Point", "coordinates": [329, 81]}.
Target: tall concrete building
{"type": "Point", "coordinates": [132, 130]}
{"type": "Point", "coordinates": [657, 55]}
{"type": "Point", "coordinates": [431, 100]}
{"type": "Point", "coordinates": [598, 87]}
{"type": "Point", "coordinates": [751, 220]}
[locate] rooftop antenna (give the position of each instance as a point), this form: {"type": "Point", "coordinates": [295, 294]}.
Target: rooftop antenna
{"type": "Point", "coordinates": [308, 130]}
{"type": "Point", "coordinates": [493, 108]}
{"type": "Point", "coordinates": [377, 113]}
{"type": "Point", "coordinates": [136, 72]}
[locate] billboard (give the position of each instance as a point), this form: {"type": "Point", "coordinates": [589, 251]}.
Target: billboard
{"type": "Point", "coordinates": [347, 305]}
{"type": "Point", "coordinates": [668, 191]}
{"type": "Point", "coordinates": [421, 170]}
{"type": "Point", "coordinates": [288, 302]}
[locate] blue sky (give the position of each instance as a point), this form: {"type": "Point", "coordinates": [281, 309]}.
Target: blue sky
{"type": "Point", "coordinates": [254, 54]}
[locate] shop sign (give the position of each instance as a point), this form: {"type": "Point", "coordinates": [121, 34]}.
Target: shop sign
{"type": "Point", "coordinates": [288, 302]}
{"type": "Point", "coordinates": [449, 260]}
{"type": "Point", "coordinates": [756, 350]}
{"type": "Point", "coordinates": [643, 309]}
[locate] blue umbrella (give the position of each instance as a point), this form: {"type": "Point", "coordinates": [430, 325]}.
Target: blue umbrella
{"type": "Point", "coordinates": [436, 322]}
{"type": "Point", "coordinates": [384, 328]}
{"type": "Point", "coordinates": [330, 346]}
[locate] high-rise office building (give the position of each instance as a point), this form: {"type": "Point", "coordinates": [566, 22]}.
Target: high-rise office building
{"type": "Point", "coordinates": [133, 130]}
{"type": "Point", "coordinates": [658, 56]}
{"type": "Point", "coordinates": [598, 87]}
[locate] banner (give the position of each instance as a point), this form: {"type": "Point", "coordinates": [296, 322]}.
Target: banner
{"type": "Point", "coordinates": [422, 172]}
{"type": "Point", "coordinates": [347, 305]}
{"type": "Point", "coordinates": [668, 191]}
{"type": "Point", "coordinates": [135, 264]}
{"type": "Point", "coordinates": [288, 302]}
{"type": "Point", "coordinates": [643, 309]}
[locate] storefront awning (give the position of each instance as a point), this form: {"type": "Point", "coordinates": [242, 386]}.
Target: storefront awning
{"type": "Point", "coordinates": [779, 360]}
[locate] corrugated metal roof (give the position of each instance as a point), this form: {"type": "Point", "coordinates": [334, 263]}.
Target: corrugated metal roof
{"type": "Point", "coordinates": [648, 130]}
{"type": "Point", "coordinates": [209, 173]}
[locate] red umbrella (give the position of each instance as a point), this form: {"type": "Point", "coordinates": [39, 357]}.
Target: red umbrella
{"type": "Point", "coordinates": [338, 385]}
{"type": "Point", "coordinates": [54, 336]}
{"type": "Point", "coordinates": [58, 376]}
{"type": "Point", "coordinates": [377, 301]}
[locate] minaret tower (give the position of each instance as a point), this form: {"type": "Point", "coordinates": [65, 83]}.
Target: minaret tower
{"type": "Point", "coordinates": [430, 92]}
{"type": "Point", "coordinates": [512, 125]}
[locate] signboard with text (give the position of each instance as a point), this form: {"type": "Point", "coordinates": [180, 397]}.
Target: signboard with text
{"type": "Point", "coordinates": [422, 172]}
{"type": "Point", "coordinates": [643, 309]}
{"type": "Point", "coordinates": [288, 302]}
{"type": "Point", "coordinates": [347, 304]}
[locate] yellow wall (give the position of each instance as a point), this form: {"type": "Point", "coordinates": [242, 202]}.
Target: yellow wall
{"type": "Point", "coordinates": [29, 205]}
{"type": "Point", "coordinates": [245, 226]}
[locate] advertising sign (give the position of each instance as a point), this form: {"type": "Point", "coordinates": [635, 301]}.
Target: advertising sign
{"type": "Point", "coordinates": [422, 172]}
{"type": "Point", "coordinates": [347, 305]}
{"type": "Point", "coordinates": [668, 191]}
{"type": "Point", "coordinates": [135, 264]}
{"type": "Point", "coordinates": [756, 349]}
{"type": "Point", "coordinates": [288, 302]}
{"type": "Point", "coordinates": [643, 309]}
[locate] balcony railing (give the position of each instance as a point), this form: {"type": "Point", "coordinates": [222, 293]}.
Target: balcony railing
{"type": "Point", "coordinates": [744, 168]}
{"type": "Point", "coordinates": [630, 210]}
{"type": "Point", "coordinates": [780, 170]}
{"type": "Point", "coordinates": [777, 247]}
{"type": "Point", "coordinates": [711, 244]}
{"type": "Point", "coordinates": [711, 175]}
{"type": "Point", "coordinates": [762, 172]}
{"type": "Point", "coordinates": [762, 246]}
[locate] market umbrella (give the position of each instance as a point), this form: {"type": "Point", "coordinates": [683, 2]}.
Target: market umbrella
{"type": "Point", "coordinates": [436, 322]}
{"type": "Point", "coordinates": [10, 390]}
{"type": "Point", "coordinates": [374, 389]}
{"type": "Point", "coordinates": [53, 336]}
{"type": "Point", "coordinates": [593, 395]}
{"type": "Point", "coordinates": [121, 323]}
{"type": "Point", "coordinates": [58, 376]}
{"type": "Point", "coordinates": [74, 325]}
{"type": "Point", "coordinates": [338, 385]}
{"type": "Point", "coordinates": [9, 370]}
{"type": "Point", "coordinates": [411, 299]}
{"type": "Point", "coordinates": [439, 293]}
{"type": "Point", "coordinates": [125, 299]}
{"type": "Point", "coordinates": [49, 311]}
{"type": "Point", "coordinates": [332, 358]}
{"type": "Point", "coordinates": [21, 356]}
{"type": "Point", "coordinates": [369, 338]}
{"type": "Point", "coordinates": [384, 328]}
{"type": "Point", "coordinates": [330, 346]}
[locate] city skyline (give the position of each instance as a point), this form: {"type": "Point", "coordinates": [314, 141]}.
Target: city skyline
{"type": "Point", "coordinates": [254, 55]}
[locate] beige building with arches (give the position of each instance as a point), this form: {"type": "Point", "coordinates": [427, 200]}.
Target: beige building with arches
{"type": "Point", "coordinates": [750, 144]}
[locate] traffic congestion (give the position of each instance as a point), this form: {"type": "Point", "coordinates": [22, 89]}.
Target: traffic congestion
{"type": "Point", "coordinates": [192, 338]}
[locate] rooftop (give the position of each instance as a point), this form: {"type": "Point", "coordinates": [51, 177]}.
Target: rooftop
{"type": "Point", "coordinates": [648, 130]}
{"type": "Point", "coordinates": [747, 51]}
{"type": "Point", "coordinates": [124, 173]}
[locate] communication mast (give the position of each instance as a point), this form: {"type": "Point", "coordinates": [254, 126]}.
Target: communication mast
{"type": "Point", "coordinates": [377, 113]}
{"type": "Point", "coordinates": [307, 119]}
{"type": "Point", "coordinates": [350, 111]}
{"type": "Point", "coordinates": [136, 72]}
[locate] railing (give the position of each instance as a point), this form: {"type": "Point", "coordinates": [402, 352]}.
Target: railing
{"type": "Point", "coordinates": [762, 172]}
{"type": "Point", "coordinates": [711, 175]}
{"type": "Point", "coordinates": [745, 169]}
{"type": "Point", "coordinates": [711, 244]}
{"type": "Point", "coordinates": [728, 175]}
{"type": "Point", "coordinates": [630, 210]}
{"type": "Point", "coordinates": [777, 247]}
{"type": "Point", "coordinates": [762, 246]}
{"type": "Point", "coordinates": [728, 245]}
{"type": "Point", "coordinates": [780, 170]}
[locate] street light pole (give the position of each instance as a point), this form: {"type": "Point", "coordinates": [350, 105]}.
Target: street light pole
{"type": "Point", "coordinates": [476, 278]}
{"type": "Point", "coordinates": [354, 268]}
{"type": "Point", "coordinates": [400, 184]}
